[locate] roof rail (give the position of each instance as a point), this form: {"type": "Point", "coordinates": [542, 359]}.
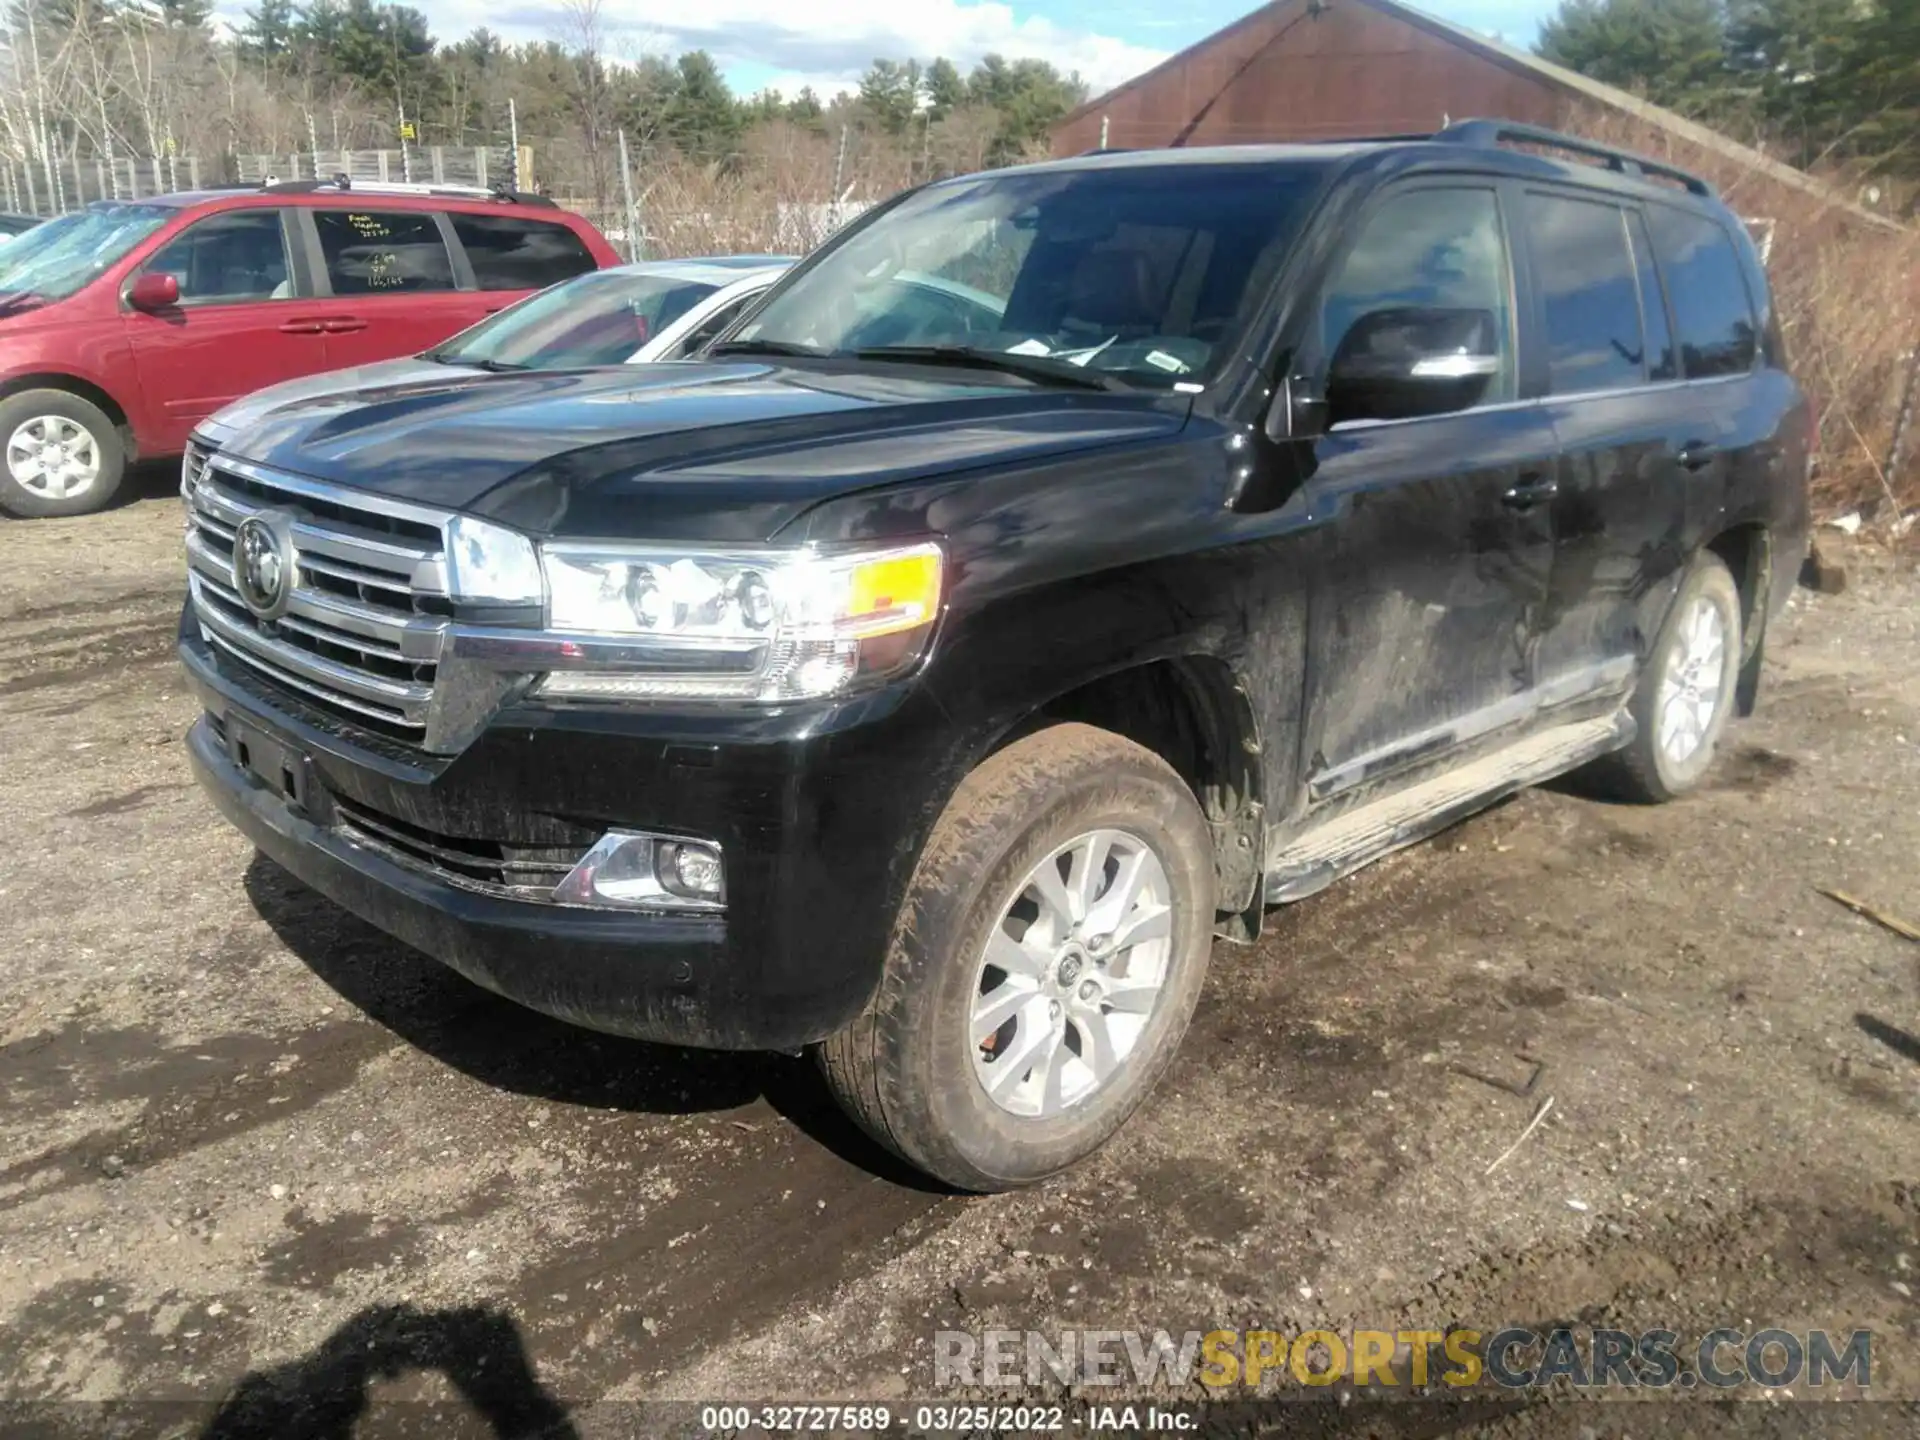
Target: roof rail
{"type": "Point", "coordinates": [343, 184]}
{"type": "Point", "coordinates": [1487, 134]}
{"type": "Point", "coordinates": [1367, 139]}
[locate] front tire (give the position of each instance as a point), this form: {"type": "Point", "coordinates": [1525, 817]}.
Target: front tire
{"type": "Point", "coordinates": [1686, 692]}
{"type": "Point", "coordinates": [1045, 963]}
{"type": "Point", "coordinates": [60, 454]}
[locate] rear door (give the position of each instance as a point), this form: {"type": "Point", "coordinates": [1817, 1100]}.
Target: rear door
{"type": "Point", "coordinates": [1726, 443]}
{"type": "Point", "coordinates": [509, 254]}
{"type": "Point", "coordinates": [1439, 553]}
{"type": "Point", "coordinates": [242, 322]}
{"type": "Point", "coordinates": [1610, 377]}
{"type": "Point", "coordinates": [389, 279]}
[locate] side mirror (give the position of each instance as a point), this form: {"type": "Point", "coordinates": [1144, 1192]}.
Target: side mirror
{"type": "Point", "coordinates": [1409, 361]}
{"type": "Point", "coordinates": [156, 290]}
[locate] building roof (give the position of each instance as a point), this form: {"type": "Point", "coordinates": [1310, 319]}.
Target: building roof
{"type": "Point", "coordinates": [1547, 72]}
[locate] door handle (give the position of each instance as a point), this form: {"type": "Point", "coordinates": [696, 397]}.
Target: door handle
{"type": "Point", "coordinates": [1695, 455]}
{"type": "Point", "coordinates": [1529, 491]}
{"type": "Point", "coordinates": [345, 326]}
{"type": "Point", "coordinates": [303, 327]}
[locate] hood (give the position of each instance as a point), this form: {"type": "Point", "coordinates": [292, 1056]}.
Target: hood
{"type": "Point", "coordinates": [710, 452]}
{"type": "Point", "coordinates": [235, 419]}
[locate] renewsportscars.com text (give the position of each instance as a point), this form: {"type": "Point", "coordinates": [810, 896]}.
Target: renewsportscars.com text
{"type": "Point", "coordinates": [1513, 1358]}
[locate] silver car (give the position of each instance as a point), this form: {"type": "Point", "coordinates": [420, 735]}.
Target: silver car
{"type": "Point", "coordinates": [627, 315]}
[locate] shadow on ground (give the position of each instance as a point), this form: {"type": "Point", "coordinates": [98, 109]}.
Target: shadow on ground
{"type": "Point", "coordinates": [326, 1394]}
{"type": "Point", "coordinates": [506, 1046]}
{"type": "Point", "coordinates": [1895, 1039]}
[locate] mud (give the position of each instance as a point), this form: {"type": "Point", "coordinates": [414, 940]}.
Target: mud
{"type": "Point", "coordinates": [252, 1149]}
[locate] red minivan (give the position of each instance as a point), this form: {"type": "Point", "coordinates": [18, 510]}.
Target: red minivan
{"type": "Point", "coordinates": [124, 324]}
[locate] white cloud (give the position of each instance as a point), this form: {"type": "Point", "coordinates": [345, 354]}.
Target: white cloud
{"type": "Point", "coordinates": [827, 43]}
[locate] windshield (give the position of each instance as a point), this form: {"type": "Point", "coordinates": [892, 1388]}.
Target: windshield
{"type": "Point", "coordinates": [54, 260]}
{"type": "Point", "coordinates": [596, 319]}
{"type": "Point", "coordinates": [1137, 272]}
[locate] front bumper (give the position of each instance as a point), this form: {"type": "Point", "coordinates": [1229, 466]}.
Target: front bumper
{"type": "Point", "coordinates": [820, 819]}
{"type": "Point", "coordinates": [647, 975]}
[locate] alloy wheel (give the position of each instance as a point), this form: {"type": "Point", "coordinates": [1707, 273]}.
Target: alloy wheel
{"type": "Point", "coordinates": [1072, 973]}
{"type": "Point", "coordinates": [1690, 690]}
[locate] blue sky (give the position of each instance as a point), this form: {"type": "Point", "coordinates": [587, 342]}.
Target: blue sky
{"type": "Point", "coordinates": [827, 43]}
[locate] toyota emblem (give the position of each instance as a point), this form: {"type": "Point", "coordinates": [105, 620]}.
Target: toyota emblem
{"type": "Point", "coordinates": [263, 563]}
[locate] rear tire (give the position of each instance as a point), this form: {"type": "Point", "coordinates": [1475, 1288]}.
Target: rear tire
{"type": "Point", "coordinates": [60, 454]}
{"type": "Point", "coordinates": [1685, 695]}
{"type": "Point", "coordinates": [1088, 1014]}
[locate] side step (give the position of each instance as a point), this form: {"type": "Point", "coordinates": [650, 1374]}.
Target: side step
{"type": "Point", "coordinates": [1313, 861]}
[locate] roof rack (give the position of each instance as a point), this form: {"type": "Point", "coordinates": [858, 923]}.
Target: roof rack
{"type": "Point", "coordinates": [1488, 134]}
{"type": "Point", "coordinates": [341, 184]}
{"type": "Point", "coordinates": [1366, 139]}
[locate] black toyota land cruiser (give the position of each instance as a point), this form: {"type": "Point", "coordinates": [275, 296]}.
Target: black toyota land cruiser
{"type": "Point", "coordinates": [1061, 566]}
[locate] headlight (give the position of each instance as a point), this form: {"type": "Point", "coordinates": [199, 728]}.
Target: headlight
{"type": "Point", "coordinates": [490, 563]}
{"type": "Point", "coordinates": [770, 625]}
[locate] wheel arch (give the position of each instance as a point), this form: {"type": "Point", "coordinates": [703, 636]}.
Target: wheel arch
{"type": "Point", "coordinates": [1192, 712]}
{"type": "Point", "coordinates": [74, 385]}
{"type": "Point", "coordinates": [1747, 551]}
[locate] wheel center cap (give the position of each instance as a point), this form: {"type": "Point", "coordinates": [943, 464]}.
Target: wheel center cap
{"type": "Point", "coordinates": [1071, 964]}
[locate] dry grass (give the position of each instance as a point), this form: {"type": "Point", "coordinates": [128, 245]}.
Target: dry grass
{"type": "Point", "coordinates": [1848, 295]}
{"type": "Point", "coordinates": [783, 189]}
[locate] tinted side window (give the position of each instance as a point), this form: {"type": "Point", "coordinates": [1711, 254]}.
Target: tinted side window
{"type": "Point", "coordinates": [1711, 307]}
{"type": "Point", "coordinates": [228, 259]}
{"type": "Point", "coordinates": [511, 253]}
{"type": "Point", "coordinates": [1589, 298]}
{"type": "Point", "coordinates": [1427, 248]}
{"type": "Point", "coordinates": [1663, 361]}
{"type": "Point", "coordinates": [375, 253]}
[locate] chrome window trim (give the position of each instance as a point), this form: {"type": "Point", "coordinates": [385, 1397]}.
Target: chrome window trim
{"type": "Point", "coordinates": [1348, 427]}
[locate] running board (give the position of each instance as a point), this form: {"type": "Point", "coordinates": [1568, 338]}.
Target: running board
{"type": "Point", "coordinates": [1313, 861]}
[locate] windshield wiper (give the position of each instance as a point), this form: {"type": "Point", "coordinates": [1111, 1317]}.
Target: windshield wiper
{"type": "Point", "coordinates": [765, 347]}
{"type": "Point", "coordinates": [492, 367]}
{"type": "Point", "coordinates": [1032, 367]}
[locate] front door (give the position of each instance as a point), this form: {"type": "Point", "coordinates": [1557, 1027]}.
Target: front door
{"type": "Point", "coordinates": [1430, 575]}
{"type": "Point", "coordinates": [240, 324]}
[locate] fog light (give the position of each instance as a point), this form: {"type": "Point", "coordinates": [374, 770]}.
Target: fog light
{"type": "Point", "coordinates": [635, 870]}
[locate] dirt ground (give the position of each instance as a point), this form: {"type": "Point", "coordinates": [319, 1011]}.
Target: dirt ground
{"type": "Point", "coordinates": [251, 1148]}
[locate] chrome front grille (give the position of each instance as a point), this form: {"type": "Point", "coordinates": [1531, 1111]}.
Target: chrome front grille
{"type": "Point", "coordinates": [368, 615]}
{"type": "Point", "coordinates": [191, 464]}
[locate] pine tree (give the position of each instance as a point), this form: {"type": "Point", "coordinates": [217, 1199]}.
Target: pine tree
{"type": "Point", "coordinates": [1796, 59]}
{"type": "Point", "coordinates": [1028, 96]}
{"type": "Point", "coordinates": [946, 90]}
{"type": "Point", "coordinates": [1882, 81]}
{"type": "Point", "coordinates": [890, 94]}
{"type": "Point", "coordinates": [805, 108]}
{"type": "Point", "coordinates": [185, 14]}
{"type": "Point", "coordinates": [1672, 51]}
{"type": "Point", "coordinates": [704, 120]}
{"type": "Point", "coordinates": [269, 30]}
